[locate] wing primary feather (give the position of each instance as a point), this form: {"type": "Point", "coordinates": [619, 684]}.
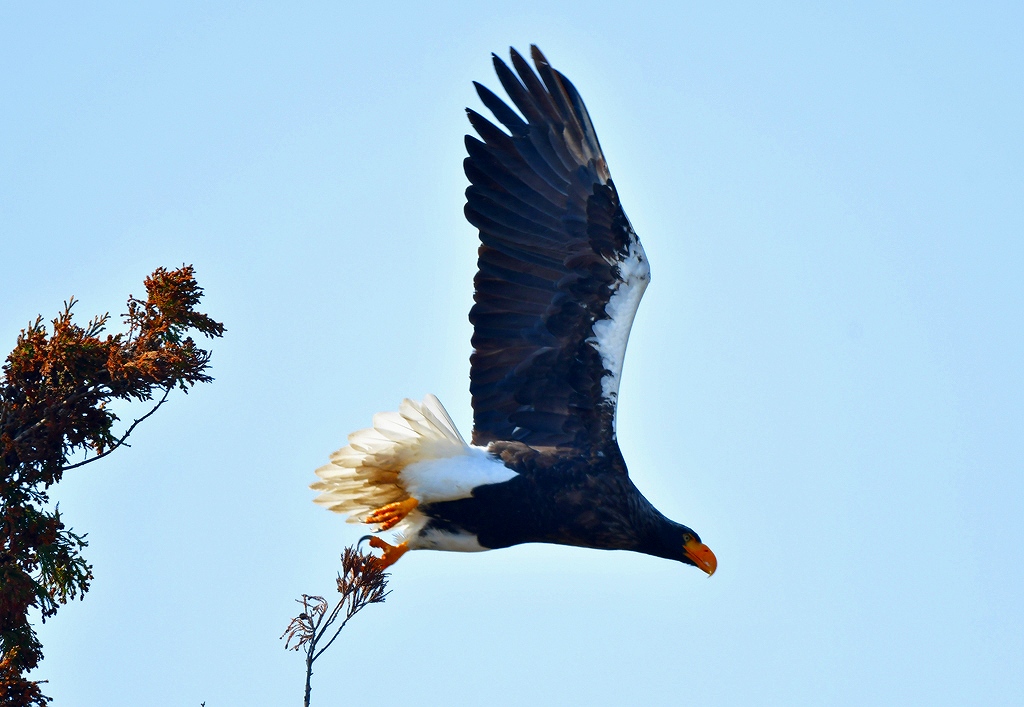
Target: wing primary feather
{"type": "Point", "coordinates": [504, 183]}
{"type": "Point", "coordinates": [589, 134]}
{"type": "Point", "coordinates": [575, 140]}
{"type": "Point", "coordinates": [517, 92]}
{"type": "Point", "coordinates": [491, 133]}
{"type": "Point", "coordinates": [512, 218]}
{"type": "Point", "coordinates": [505, 115]}
{"type": "Point", "coordinates": [494, 163]}
{"type": "Point", "coordinates": [533, 86]}
{"type": "Point", "coordinates": [487, 192]}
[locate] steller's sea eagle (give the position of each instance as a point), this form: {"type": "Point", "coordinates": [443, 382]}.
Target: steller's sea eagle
{"type": "Point", "coordinates": [560, 276]}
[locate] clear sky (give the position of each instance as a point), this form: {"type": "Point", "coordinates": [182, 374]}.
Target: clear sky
{"type": "Point", "coordinates": [824, 379]}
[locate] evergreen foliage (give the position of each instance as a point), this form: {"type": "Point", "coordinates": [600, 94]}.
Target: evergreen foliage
{"type": "Point", "coordinates": [53, 406]}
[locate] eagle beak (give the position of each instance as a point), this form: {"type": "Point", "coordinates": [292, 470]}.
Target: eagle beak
{"type": "Point", "coordinates": [701, 555]}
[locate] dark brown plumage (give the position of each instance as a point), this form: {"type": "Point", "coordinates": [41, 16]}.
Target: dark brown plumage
{"type": "Point", "coordinates": [560, 276]}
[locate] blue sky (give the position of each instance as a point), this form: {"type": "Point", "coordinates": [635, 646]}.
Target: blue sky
{"type": "Point", "coordinates": [824, 378]}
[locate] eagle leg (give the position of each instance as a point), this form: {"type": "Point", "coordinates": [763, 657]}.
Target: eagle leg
{"type": "Point", "coordinates": [392, 514]}
{"type": "Point", "coordinates": [391, 552]}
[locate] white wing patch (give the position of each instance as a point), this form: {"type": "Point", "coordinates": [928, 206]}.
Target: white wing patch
{"type": "Point", "coordinates": [452, 478]}
{"type": "Point", "coordinates": [449, 479]}
{"type": "Point", "coordinates": [612, 333]}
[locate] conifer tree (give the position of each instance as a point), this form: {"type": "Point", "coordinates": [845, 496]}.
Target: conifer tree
{"type": "Point", "coordinates": [53, 410]}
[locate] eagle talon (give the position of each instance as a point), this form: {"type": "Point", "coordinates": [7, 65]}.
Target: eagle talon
{"type": "Point", "coordinates": [391, 552]}
{"type": "Point", "coordinates": [392, 514]}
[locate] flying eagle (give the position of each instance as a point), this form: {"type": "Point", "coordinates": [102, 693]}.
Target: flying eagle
{"type": "Point", "coordinates": [560, 276]}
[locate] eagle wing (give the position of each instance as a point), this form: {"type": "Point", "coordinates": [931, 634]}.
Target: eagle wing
{"type": "Point", "coordinates": [560, 270]}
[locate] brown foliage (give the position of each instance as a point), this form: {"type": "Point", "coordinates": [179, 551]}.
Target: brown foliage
{"type": "Point", "coordinates": [361, 582]}
{"type": "Point", "coordinates": [53, 404]}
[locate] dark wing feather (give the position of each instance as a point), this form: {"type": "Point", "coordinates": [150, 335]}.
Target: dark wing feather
{"type": "Point", "coordinates": [560, 270]}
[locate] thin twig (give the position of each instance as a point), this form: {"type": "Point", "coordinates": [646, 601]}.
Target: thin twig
{"type": "Point", "coordinates": [121, 441]}
{"type": "Point", "coordinates": [320, 652]}
{"type": "Point", "coordinates": [362, 582]}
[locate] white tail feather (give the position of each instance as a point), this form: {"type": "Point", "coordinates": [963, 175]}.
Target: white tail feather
{"type": "Point", "coordinates": [365, 475]}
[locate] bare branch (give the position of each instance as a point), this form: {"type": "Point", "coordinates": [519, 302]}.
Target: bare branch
{"type": "Point", "coordinates": [121, 441]}
{"type": "Point", "coordinates": [361, 582]}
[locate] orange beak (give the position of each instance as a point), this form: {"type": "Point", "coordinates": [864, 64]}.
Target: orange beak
{"type": "Point", "coordinates": [701, 555]}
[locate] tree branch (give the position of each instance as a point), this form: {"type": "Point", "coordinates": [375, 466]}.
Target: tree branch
{"type": "Point", "coordinates": [120, 442]}
{"type": "Point", "coordinates": [74, 397]}
{"type": "Point", "coordinates": [320, 652]}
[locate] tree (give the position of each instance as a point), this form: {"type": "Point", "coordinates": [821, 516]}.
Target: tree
{"type": "Point", "coordinates": [53, 408]}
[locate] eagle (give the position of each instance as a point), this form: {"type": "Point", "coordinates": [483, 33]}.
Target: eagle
{"type": "Point", "coordinates": [560, 276]}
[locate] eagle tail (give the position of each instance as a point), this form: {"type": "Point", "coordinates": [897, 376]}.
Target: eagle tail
{"type": "Point", "coordinates": [365, 475]}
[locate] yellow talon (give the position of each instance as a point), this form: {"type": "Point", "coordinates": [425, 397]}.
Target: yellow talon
{"type": "Point", "coordinates": [392, 514]}
{"type": "Point", "coordinates": [391, 552]}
